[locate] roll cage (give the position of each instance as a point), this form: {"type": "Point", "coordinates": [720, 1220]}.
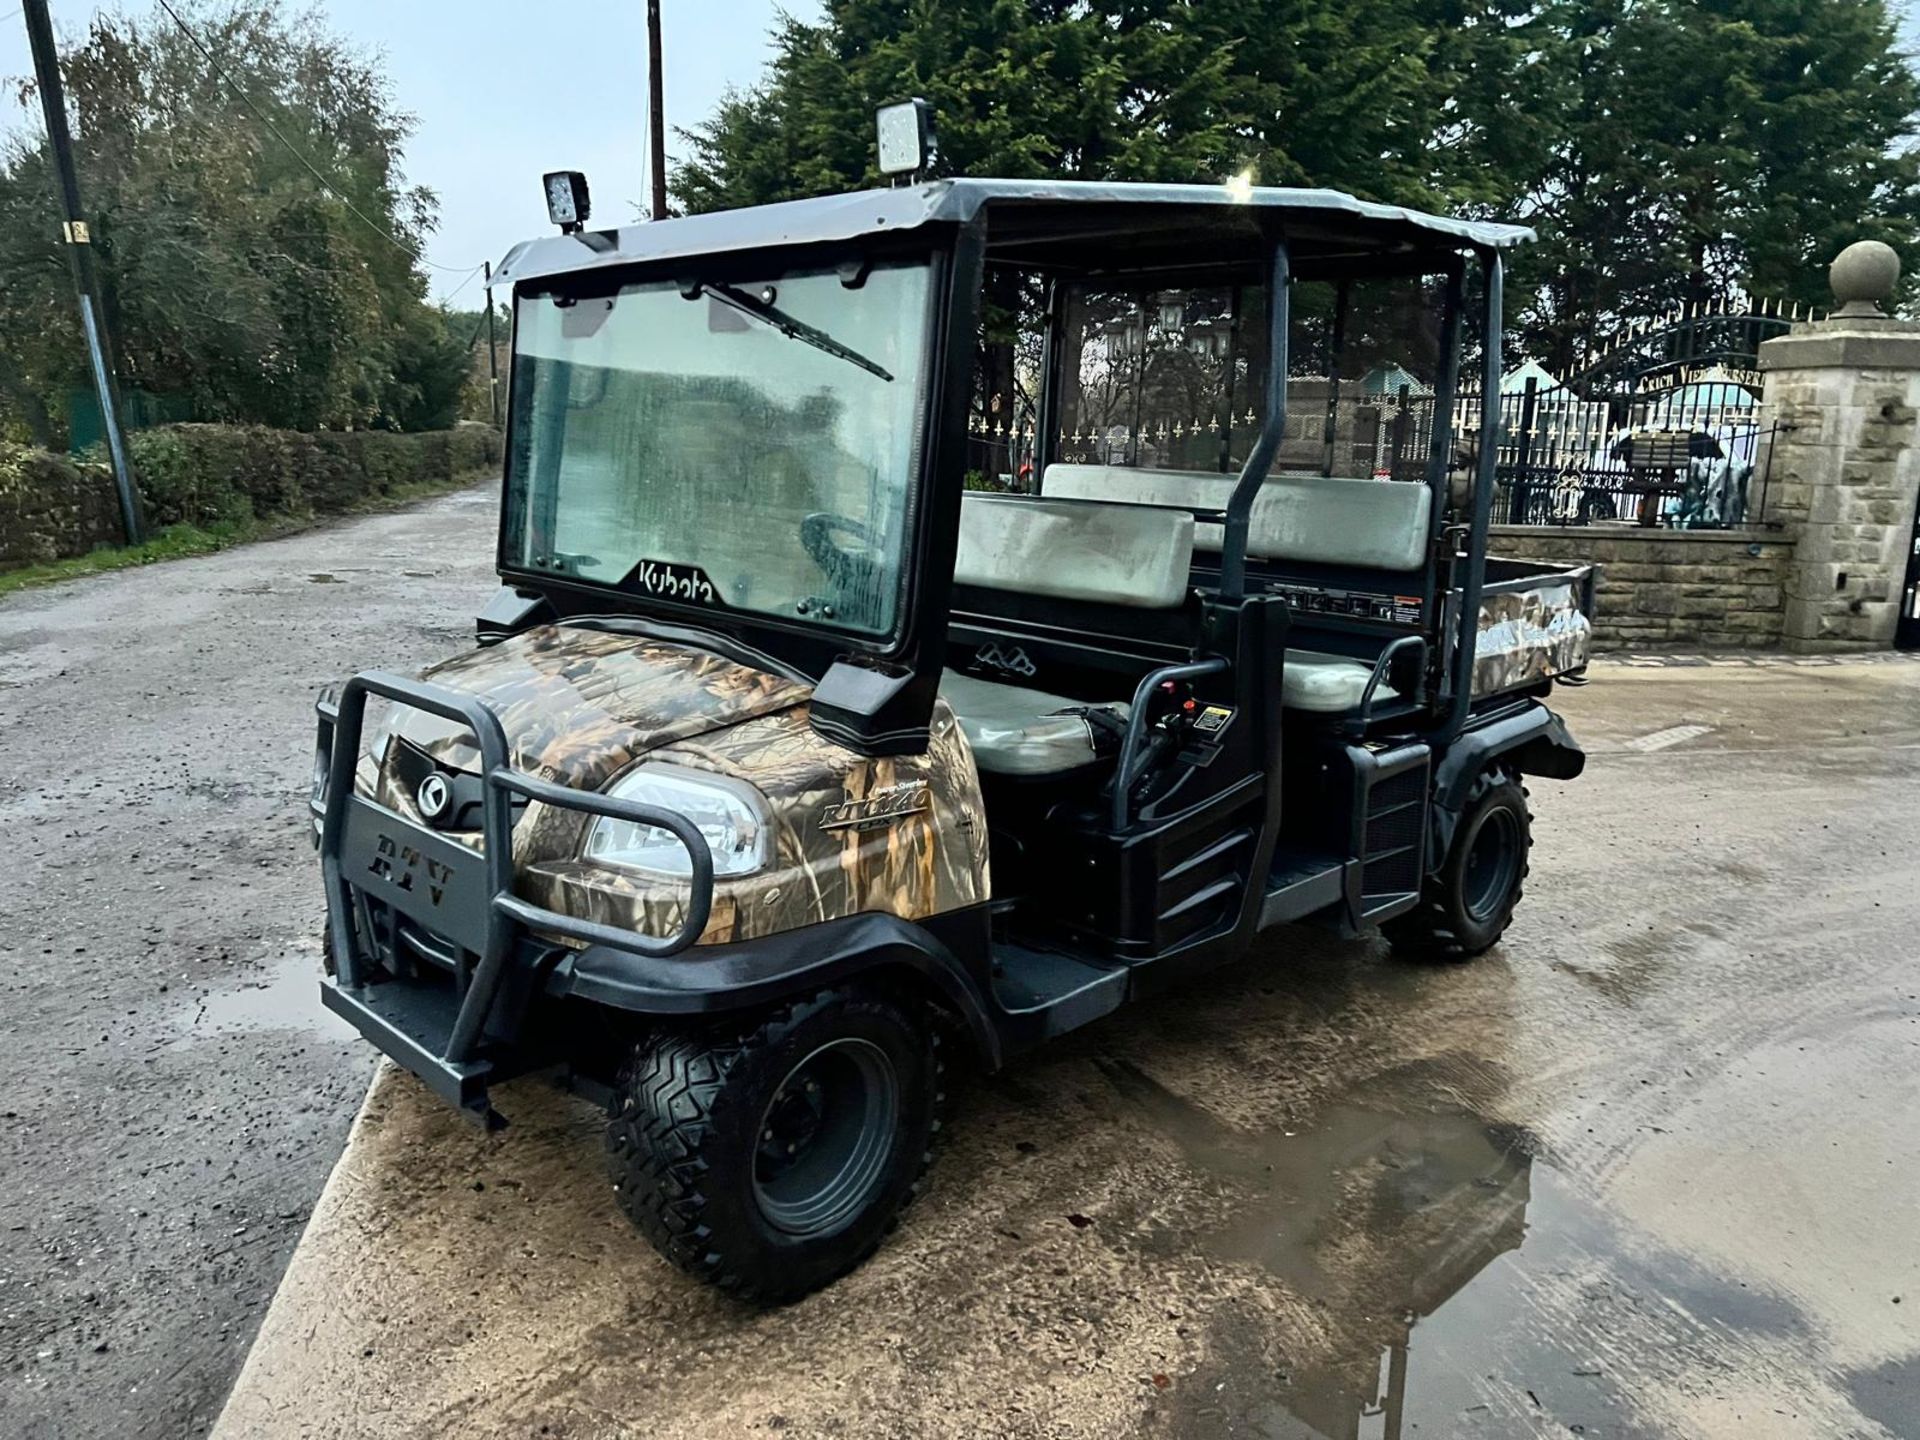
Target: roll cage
{"type": "Point", "coordinates": [876, 695]}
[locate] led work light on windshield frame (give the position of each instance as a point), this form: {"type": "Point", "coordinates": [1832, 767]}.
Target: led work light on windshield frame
{"type": "Point", "coordinates": [568, 204]}
{"type": "Point", "coordinates": [907, 142]}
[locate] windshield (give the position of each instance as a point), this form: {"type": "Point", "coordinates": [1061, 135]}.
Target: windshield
{"type": "Point", "coordinates": [748, 444]}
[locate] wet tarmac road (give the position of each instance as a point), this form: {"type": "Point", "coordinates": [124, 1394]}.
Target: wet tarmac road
{"type": "Point", "coordinates": [1650, 1169]}
{"type": "Point", "coordinates": [169, 1104]}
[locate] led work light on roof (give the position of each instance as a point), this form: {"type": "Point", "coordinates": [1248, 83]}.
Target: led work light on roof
{"type": "Point", "coordinates": [907, 142]}
{"type": "Point", "coordinates": [568, 204]}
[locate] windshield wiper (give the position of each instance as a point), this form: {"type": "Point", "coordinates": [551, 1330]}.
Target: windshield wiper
{"type": "Point", "coordinates": [793, 329]}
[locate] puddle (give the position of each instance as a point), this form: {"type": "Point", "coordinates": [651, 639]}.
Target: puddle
{"type": "Point", "coordinates": [285, 996]}
{"type": "Point", "coordinates": [1463, 1285]}
{"type": "Point", "coordinates": [1635, 966]}
{"type": "Point", "coordinates": [1890, 1393]}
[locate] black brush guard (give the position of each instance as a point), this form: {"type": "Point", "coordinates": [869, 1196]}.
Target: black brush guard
{"type": "Point", "coordinates": [461, 897]}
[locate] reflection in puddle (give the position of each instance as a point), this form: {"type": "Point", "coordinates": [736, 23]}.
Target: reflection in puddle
{"type": "Point", "coordinates": [1387, 1214]}
{"type": "Point", "coordinates": [1460, 1287]}
{"type": "Point", "coordinates": [1413, 1209]}
{"type": "Point", "coordinates": [285, 996]}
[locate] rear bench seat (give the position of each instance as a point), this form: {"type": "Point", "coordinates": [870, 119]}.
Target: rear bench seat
{"type": "Point", "coordinates": [1320, 519]}
{"type": "Point", "coordinates": [1115, 535]}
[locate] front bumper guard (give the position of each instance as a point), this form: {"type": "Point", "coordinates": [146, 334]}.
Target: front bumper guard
{"type": "Point", "coordinates": [462, 897]}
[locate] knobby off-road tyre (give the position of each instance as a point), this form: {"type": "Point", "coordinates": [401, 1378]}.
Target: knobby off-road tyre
{"type": "Point", "coordinates": [772, 1157]}
{"type": "Point", "coordinates": [1468, 903]}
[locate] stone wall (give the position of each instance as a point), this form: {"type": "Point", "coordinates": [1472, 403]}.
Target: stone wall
{"type": "Point", "coordinates": [1844, 396]}
{"type": "Point", "coordinates": [1666, 589]}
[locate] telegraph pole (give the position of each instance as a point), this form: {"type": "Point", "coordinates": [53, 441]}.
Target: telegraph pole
{"type": "Point", "coordinates": [79, 244]}
{"type": "Point", "coordinates": [656, 112]}
{"type": "Point", "coordinates": [493, 353]}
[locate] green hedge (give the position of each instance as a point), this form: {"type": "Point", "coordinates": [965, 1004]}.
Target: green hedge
{"type": "Point", "coordinates": [224, 478]}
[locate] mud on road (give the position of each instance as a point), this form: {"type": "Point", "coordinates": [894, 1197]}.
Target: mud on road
{"type": "Point", "coordinates": [1647, 1170]}
{"type": "Point", "coordinates": [170, 1101]}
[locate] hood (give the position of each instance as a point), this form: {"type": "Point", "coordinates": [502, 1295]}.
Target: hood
{"type": "Point", "coordinates": [579, 705]}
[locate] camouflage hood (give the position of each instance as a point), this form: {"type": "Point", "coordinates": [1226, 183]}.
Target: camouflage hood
{"type": "Point", "coordinates": [578, 705]}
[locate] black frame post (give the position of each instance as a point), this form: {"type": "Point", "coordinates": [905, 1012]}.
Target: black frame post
{"type": "Point", "coordinates": [1445, 393]}
{"type": "Point", "coordinates": [1466, 642]}
{"type": "Point", "coordinates": [1337, 355]}
{"type": "Point", "coordinates": [1233, 541]}
{"type": "Point", "coordinates": [1047, 411]}
{"type": "Point", "coordinates": [79, 246]}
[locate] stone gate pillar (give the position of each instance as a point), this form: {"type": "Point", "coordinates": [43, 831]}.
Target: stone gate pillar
{"type": "Point", "coordinates": [1844, 394]}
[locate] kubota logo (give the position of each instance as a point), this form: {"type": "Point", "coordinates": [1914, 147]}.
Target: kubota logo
{"type": "Point", "coordinates": [1007, 659]}
{"type": "Point", "coordinates": [434, 797]}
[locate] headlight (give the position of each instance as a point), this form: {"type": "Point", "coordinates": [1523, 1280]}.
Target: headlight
{"type": "Point", "coordinates": [729, 813]}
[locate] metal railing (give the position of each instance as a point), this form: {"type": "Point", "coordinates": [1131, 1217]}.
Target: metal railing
{"type": "Point", "coordinates": [1690, 456]}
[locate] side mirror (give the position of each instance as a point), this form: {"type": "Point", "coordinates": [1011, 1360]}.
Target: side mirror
{"type": "Point", "coordinates": [873, 709]}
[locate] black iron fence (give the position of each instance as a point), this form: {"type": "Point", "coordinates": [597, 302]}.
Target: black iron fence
{"type": "Point", "coordinates": [1686, 454]}
{"type": "Point", "coordinates": [1664, 430]}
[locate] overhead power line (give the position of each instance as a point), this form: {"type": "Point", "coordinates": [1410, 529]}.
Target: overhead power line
{"type": "Point", "coordinates": [447, 299]}
{"type": "Point", "coordinates": [293, 150]}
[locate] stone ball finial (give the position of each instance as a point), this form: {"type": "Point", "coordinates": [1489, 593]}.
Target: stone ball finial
{"type": "Point", "coordinates": [1863, 275]}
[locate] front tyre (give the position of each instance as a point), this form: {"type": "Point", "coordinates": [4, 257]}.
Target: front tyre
{"type": "Point", "coordinates": [773, 1157]}
{"type": "Point", "coordinates": [1468, 903]}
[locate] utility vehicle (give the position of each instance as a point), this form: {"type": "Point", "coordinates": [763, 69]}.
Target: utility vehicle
{"type": "Point", "coordinates": [841, 710]}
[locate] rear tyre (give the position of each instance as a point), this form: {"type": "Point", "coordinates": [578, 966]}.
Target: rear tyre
{"type": "Point", "coordinates": [773, 1157]}
{"type": "Point", "coordinates": [1469, 901]}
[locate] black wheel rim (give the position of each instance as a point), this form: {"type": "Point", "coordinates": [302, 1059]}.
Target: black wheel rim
{"type": "Point", "coordinates": [1493, 862]}
{"type": "Point", "coordinates": [826, 1137]}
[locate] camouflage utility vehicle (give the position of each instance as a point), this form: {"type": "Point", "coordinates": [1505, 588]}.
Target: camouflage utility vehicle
{"type": "Point", "coordinates": [932, 618]}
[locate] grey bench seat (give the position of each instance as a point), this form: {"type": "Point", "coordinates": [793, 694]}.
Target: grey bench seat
{"type": "Point", "coordinates": [1128, 555]}
{"type": "Point", "coordinates": [1015, 730]}
{"type": "Point", "coordinates": [1323, 684]}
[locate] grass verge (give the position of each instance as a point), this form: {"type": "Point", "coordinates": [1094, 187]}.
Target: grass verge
{"type": "Point", "coordinates": [179, 542]}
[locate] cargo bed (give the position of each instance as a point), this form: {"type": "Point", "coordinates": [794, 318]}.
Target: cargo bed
{"type": "Point", "coordinates": [1536, 624]}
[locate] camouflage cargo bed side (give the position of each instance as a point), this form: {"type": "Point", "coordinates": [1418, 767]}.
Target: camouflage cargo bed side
{"type": "Point", "coordinates": [1532, 630]}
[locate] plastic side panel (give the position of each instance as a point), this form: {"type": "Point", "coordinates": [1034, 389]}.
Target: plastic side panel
{"type": "Point", "coordinates": [1530, 634]}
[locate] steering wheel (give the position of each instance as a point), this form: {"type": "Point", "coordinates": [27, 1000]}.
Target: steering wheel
{"type": "Point", "coordinates": [854, 574]}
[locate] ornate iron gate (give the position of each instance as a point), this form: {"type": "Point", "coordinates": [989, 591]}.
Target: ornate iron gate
{"type": "Point", "coordinates": [1906, 630]}
{"type": "Point", "coordinates": [1662, 430]}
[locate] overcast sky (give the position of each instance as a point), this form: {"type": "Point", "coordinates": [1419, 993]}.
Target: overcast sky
{"type": "Point", "coordinates": [506, 91]}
